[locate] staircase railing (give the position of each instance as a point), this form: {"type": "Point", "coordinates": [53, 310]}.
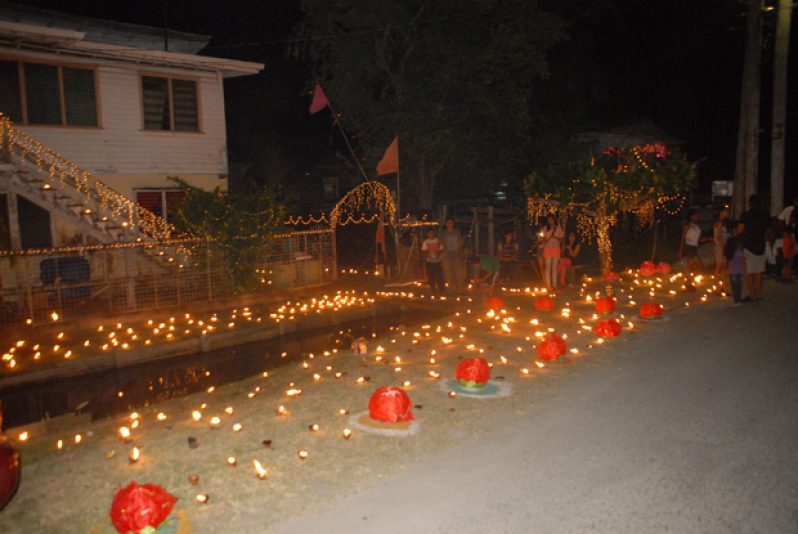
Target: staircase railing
{"type": "Point", "coordinates": [94, 191]}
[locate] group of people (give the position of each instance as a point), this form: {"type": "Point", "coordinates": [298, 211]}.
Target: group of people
{"type": "Point", "coordinates": [745, 250]}
{"type": "Point", "coordinates": [444, 255]}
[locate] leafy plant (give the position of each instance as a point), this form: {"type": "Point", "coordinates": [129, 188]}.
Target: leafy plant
{"type": "Point", "coordinates": [240, 224]}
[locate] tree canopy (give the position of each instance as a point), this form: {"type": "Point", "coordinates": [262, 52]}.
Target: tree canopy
{"type": "Point", "coordinates": [452, 79]}
{"type": "Point", "coordinates": [635, 179]}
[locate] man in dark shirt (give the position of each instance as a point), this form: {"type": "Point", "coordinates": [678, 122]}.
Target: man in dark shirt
{"type": "Point", "coordinates": [755, 222]}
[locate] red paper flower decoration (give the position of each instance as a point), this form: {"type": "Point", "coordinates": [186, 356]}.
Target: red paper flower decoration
{"type": "Point", "coordinates": [9, 472]}
{"type": "Point", "coordinates": [664, 267]}
{"type": "Point", "coordinates": [650, 310]}
{"type": "Point", "coordinates": [136, 507]}
{"type": "Point", "coordinates": [612, 277]}
{"type": "Point", "coordinates": [544, 304]}
{"type": "Point", "coordinates": [608, 328]}
{"type": "Point", "coordinates": [494, 303]}
{"type": "Point", "coordinates": [473, 372]}
{"type": "Point", "coordinates": [648, 268]}
{"type": "Point", "coordinates": [605, 304]}
{"type": "Point", "coordinates": [552, 347]}
{"type": "Point", "coordinates": [390, 405]}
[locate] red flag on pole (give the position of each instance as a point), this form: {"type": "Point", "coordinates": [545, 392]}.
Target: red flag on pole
{"type": "Point", "coordinates": [319, 100]}
{"type": "Point", "coordinates": [389, 164]}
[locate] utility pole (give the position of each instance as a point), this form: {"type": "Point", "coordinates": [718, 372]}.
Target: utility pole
{"type": "Point", "coordinates": [166, 25]}
{"type": "Point", "coordinates": [780, 54]}
{"type": "Point", "coordinates": [745, 176]}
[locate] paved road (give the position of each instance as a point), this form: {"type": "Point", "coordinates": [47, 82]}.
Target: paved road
{"type": "Point", "coordinates": [696, 430]}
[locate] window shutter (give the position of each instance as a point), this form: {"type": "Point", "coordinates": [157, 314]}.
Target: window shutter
{"type": "Point", "coordinates": [151, 200]}
{"type": "Point", "coordinates": [184, 102]}
{"type": "Point", "coordinates": [155, 93]}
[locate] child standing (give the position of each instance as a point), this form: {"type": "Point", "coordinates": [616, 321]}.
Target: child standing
{"type": "Point", "coordinates": [432, 247]}
{"type": "Point", "coordinates": [736, 259]}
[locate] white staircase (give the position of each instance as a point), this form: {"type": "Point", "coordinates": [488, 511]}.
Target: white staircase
{"type": "Point", "coordinates": [58, 185]}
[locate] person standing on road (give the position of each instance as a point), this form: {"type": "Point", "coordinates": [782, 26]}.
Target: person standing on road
{"type": "Point", "coordinates": [552, 250]}
{"type": "Point", "coordinates": [433, 254]}
{"type": "Point", "coordinates": [719, 237]}
{"type": "Point", "coordinates": [570, 251]}
{"type": "Point", "coordinates": [755, 224]}
{"type": "Point", "coordinates": [691, 239]}
{"type": "Point", "coordinates": [452, 255]}
{"type": "Point", "coordinates": [735, 255]}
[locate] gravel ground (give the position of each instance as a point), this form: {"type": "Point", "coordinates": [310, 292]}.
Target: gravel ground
{"type": "Point", "coordinates": [684, 425]}
{"type": "Point", "coordinates": [691, 428]}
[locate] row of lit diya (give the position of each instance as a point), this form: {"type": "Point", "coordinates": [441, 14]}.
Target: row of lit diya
{"type": "Point", "coordinates": [125, 337]}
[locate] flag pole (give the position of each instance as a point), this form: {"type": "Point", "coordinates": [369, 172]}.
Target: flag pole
{"type": "Point", "coordinates": [346, 140]}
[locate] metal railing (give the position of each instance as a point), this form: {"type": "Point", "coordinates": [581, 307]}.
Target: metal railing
{"type": "Point", "coordinates": [74, 181]}
{"type": "Point", "coordinates": [120, 278]}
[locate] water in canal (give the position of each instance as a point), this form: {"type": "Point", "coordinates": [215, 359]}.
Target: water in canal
{"type": "Point", "coordinates": [170, 378]}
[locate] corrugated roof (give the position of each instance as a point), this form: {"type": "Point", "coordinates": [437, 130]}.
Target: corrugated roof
{"type": "Point", "coordinates": [105, 31]}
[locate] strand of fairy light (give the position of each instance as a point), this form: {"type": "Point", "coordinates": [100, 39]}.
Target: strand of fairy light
{"type": "Point", "coordinates": [65, 173]}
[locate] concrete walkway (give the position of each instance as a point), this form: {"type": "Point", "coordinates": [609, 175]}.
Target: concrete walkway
{"type": "Point", "coordinates": [692, 428]}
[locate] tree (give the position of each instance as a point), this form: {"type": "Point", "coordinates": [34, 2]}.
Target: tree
{"type": "Point", "coordinates": [635, 179]}
{"type": "Point", "coordinates": [452, 79]}
{"type": "Point", "coordinates": [241, 224]}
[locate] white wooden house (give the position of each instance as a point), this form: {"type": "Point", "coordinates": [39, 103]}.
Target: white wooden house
{"type": "Point", "coordinates": [95, 116]}
{"type": "Point", "coordinates": [108, 98]}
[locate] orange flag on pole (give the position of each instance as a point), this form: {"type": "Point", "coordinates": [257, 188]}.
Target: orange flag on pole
{"type": "Point", "coordinates": [319, 100]}
{"type": "Point", "coordinates": [389, 164]}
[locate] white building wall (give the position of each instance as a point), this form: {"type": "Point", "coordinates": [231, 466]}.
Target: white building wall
{"type": "Point", "coordinates": [120, 151]}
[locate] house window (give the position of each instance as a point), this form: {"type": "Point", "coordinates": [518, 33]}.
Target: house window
{"type": "Point", "coordinates": [170, 104]}
{"type": "Point", "coordinates": [162, 202]}
{"type": "Point", "coordinates": [43, 93]}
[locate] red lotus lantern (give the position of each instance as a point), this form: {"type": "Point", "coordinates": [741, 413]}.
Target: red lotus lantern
{"type": "Point", "coordinates": [390, 405]}
{"type": "Point", "coordinates": [648, 268]}
{"type": "Point", "coordinates": [552, 347]}
{"type": "Point", "coordinates": [664, 267]}
{"type": "Point", "coordinates": [135, 508]}
{"type": "Point", "coordinates": [494, 303]}
{"type": "Point", "coordinates": [608, 328]}
{"type": "Point", "coordinates": [473, 372]}
{"type": "Point", "coordinates": [605, 305]}
{"type": "Point", "coordinates": [544, 304]}
{"type": "Point", "coordinates": [650, 310]}
{"type": "Point", "coordinates": [9, 472]}
{"type": "Point", "coordinates": [612, 277]}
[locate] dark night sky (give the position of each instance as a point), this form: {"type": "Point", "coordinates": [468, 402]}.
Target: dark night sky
{"type": "Point", "coordinates": [676, 62]}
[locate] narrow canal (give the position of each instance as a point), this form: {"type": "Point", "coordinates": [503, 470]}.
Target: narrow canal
{"type": "Point", "coordinates": [110, 392]}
